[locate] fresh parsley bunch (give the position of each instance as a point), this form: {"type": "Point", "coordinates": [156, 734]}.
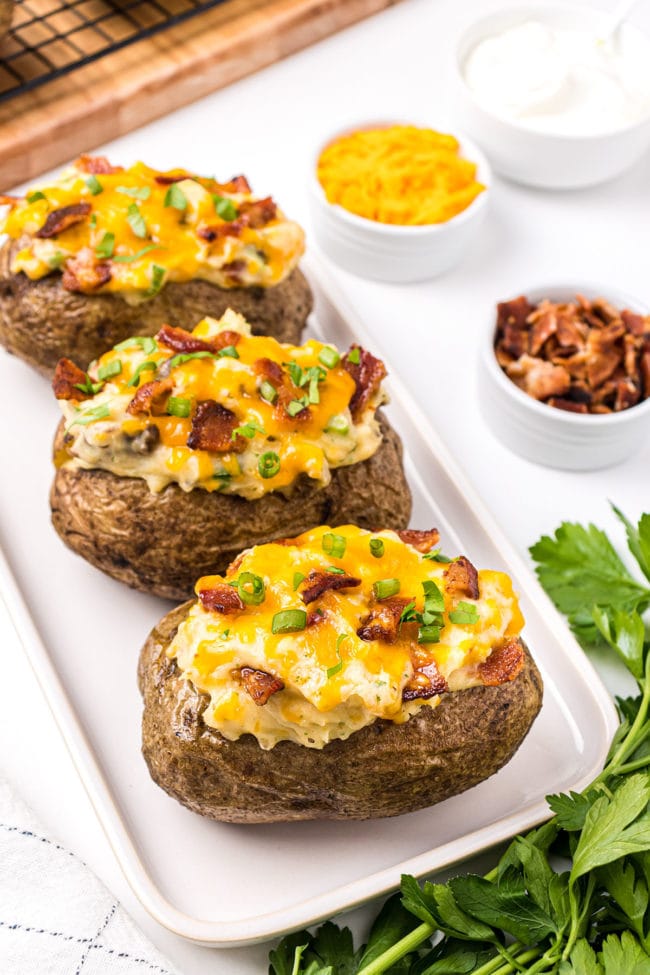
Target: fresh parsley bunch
{"type": "Point", "coordinates": [573, 896]}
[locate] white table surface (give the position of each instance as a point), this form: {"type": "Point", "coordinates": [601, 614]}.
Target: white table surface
{"type": "Point", "coordinates": [267, 126]}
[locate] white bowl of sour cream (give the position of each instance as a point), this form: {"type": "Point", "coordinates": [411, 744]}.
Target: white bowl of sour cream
{"type": "Point", "coordinates": [551, 103]}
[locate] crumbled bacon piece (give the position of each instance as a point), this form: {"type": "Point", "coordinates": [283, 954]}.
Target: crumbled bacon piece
{"type": "Point", "coordinates": [166, 179]}
{"type": "Point", "coordinates": [317, 583]}
{"type": "Point", "coordinates": [421, 541]}
{"type": "Point", "coordinates": [257, 213]}
{"type": "Point", "coordinates": [538, 378]}
{"type": "Point", "coordinates": [96, 165]}
{"type": "Point", "coordinates": [367, 374]}
{"type": "Point", "coordinates": [382, 623]}
{"type": "Point", "coordinates": [59, 220]}
{"type": "Point", "coordinates": [238, 184]}
{"type": "Point", "coordinates": [426, 682]}
{"type": "Point", "coordinates": [315, 616]}
{"type": "Point", "coordinates": [213, 426]}
{"type": "Point", "coordinates": [181, 341]}
{"type": "Point", "coordinates": [259, 685]}
{"type": "Point", "coordinates": [82, 274]}
{"type": "Point", "coordinates": [234, 268]}
{"type": "Point", "coordinates": [461, 578]}
{"type": "Point", "coordinates": [66, 376]}
{"type": "Point", "coordinates": [221, 598]}
{"type": "Point", "coordinates": [151, 397]}
{"type": "Point", "coordinates": [212, 233]}
{"type": "Point", "coordinates": [7, 200]}
{"type": "Point", "coordinates": [503, 664]}
{"type": "Point", "coordinates": [583, 356]}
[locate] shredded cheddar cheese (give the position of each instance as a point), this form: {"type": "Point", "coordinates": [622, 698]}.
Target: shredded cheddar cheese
{"type": "Point", "coordinates": [211, 418]}
{"type": "Point", "coordinates": [329, 674]}
{"type": "Point", "coordinates": [399, 175]}
{"type": "Point", "coordinates": [131, 231]}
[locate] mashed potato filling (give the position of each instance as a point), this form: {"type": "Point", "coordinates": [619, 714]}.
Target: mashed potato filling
{"type": "Point", "coordinates": [133, 230]}
{"type": "Point", "coordinates": [283, 666]}
{"type": "Point", "coordinates": [297, 422]}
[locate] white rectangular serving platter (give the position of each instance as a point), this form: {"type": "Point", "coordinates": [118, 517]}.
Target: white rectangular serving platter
{"type": "Point", "coordinates": [222, 884]}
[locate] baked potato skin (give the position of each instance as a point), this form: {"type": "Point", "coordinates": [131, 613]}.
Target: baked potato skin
{"type": "Point", "coordinates": [6, 16]}
{"type": "Point", "coordinates": [41, 322]}
{"type": "Point", "coordinates": [162, 543]}
{"type": "Point", "coordinates": [383, 770]}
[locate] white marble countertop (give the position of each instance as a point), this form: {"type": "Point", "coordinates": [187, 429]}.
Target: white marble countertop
{"type": "Point", "coordinates": [267, 127]}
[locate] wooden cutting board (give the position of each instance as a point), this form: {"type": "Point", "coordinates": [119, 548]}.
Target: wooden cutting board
{"type": "Point", "coordinates": [124, 90]}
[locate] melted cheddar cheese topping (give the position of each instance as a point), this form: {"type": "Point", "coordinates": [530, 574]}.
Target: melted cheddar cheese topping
{"type": "Point", "coordinates": [140, 229]}
{"type": "Point", "coordinates": [274, 447]}
{"type": "Point", "coordinates": [329, 681]}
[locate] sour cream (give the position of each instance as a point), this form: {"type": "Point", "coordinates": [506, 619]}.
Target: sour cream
{"type": "Point", "coordinates": [560, 81]}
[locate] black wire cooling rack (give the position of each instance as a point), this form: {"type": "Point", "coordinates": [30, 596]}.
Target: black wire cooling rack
{"type": "Point", "coordinates": [50, 38]}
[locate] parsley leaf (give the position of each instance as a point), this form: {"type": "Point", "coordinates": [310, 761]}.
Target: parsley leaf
{"type": "Point", "coordinates": [503, 906]}
{"type": "Point", "coordinates": [579, 568]}
{"type": "Point", "coordinates": [571, 810]}
{"type": "Point", "coordinates": [623, 955]}
{"type": "Point", "coordinates": [638, 539]}
{"type": "Point", "coordinates": [391, 924]}
{"type": "Point", "coordinates": [610, 830]}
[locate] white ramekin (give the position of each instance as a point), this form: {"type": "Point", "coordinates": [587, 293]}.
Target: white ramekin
{"type": "Point", "coordinates": [535, 158]}
{"type": "Point", "coordinates": [545, 434]}
{"type": "Point", "coordinates": [385, 252]}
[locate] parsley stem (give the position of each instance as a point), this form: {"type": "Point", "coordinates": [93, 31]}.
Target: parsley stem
{"type": "Point", "coordinates": [634, 766]}
{"type": "Point", "coordinates": [636, 733]}
{"type": "Point", "coordinates": [407, 944]}
{"type": "Point", "coordinates": [496, 965]}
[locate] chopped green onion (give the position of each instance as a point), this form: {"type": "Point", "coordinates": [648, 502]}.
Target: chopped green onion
{"type": "Point", "coordinates": [224, 207]}
{"type": "Point", "coordinates": [106, 246]}
{"type": "Point", "coordinates": [329, 356]}
{"type": "Point", "coordinates": [96, 413]}
{"type": "Point", "coordinates": [354, 356]}
{"type": "Point", "coordinates": [225, 634]}
{"type": "Point", "coordinates": [332, 671]}
{"type": "Point", "coordinates": [297, 579]}
{"type": "Point", "coordinates": [376, 547]}
{"type": "Point", "coordinates": [428, 634]}
{"type": "Point", "coordinates": [144, 366]}
{"type": "Point", "coordinates": [465, 613]}
{"type": "Point", "coordinates": [333, 569]}
{"type": "Point", "coordinates": [181, 357]}
{"type": "Point", "coordinates": [268, 392]}
{"type": "Point", "coordinates": [136, 192]}
{"type": "Point", "coordinates": [109, 370]}
{"type": "Point", "coordinates": [314, 395]}
{"type": "Point", "coordinates": [298, 376]}
{"type": "Point", "coordinates": [437, 556]}
{"type": "Point", "coordinates": [289, 621]}
{"type": "Point", "coordinates": [146, 343]}
{"type": "Point", "coordinates": [57, 260]}
{"type": "Point", "coordinates": [157, 280]}
{"type": "Point", "coordinates": [433, 598]}
{"type": "Point", "coordinates": [384, 588]}
{"type": "Point", "coordinates": [251, 589]}
{"type": "Point", "coordinates": [35, 196]}
{"type": "Point", "coordinates": [228, 352]}
{"type": "Point", "coordinates": [94, 185]}
{"type": "Point", "coordinates": [93, 219]}
{"type": "Point", "coordinates": [334, 545]}
{"type": "Point", "coordinates": [129, 258]}
{"type": "Point", "coordinates": [338, 424]}
{"type": "Point", "coordinates": [89, 386]}
{"type": "Point", "coordinates": [268, 464]}
{"type": "Point", "coordinates": [179, 406]}
{"type": "Point", "coordinates": [174, 197]}
{"type": "Point", "coordinates": [408, 614]}
{"type": "Point", "coordinates": [136, 221]}
{"type": "Point", "coordinates": [248, 429]}
{"type": "Point", "coordinates": [296, 406]}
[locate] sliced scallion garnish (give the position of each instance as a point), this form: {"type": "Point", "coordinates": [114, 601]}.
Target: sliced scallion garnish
{"type": "Point", "coordinates": [334, 545]}
{"type": "Point", "coordinates": [143, 367]}
{"type": "Point", "coordinates": [384, 588]}
{"type": "Point", "coordinates": [94, 185]}
{"type": "Point", "coordinates": [174, 197]}
{"type": "Point", "coordinates": [268, 392]}
{"type": "Point", "coordinates": [376, 547]}
{"type": "Point", "coordinates": [179, 406]}
{"type": "Point", "coordinates": [269, 464]}
{"type": "Point", "coordinates": [289, 621]}
{"type": "Point", "coordinates": [109, 370]}
{"type": "Point", "coordinates": [136, 221]}
{"type": "Point", "coordinates": [329, 356]}
{"type": "Point", "coordinates": [106, 246]}
{"type": "Point", "coordinates": [251, 589]}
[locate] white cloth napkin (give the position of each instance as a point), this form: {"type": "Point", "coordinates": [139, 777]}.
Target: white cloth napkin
{"type": "Point", "coordinates": [56, 917]}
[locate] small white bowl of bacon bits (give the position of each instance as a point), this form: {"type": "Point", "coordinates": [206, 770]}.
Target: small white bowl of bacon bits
{"type": "Point", "coordinates": [564, 377]}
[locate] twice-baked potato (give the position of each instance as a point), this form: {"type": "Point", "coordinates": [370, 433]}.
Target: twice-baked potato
{"type": "Point", "coordinates": [177, 452]}
{"type": "Point", "coordinates": [338, 675]}
{"type": "Point", "coordinates": [104, 253]}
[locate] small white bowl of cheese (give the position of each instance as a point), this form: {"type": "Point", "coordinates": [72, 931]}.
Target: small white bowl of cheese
{"type": "Point", "coordinates": [550, 102]}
